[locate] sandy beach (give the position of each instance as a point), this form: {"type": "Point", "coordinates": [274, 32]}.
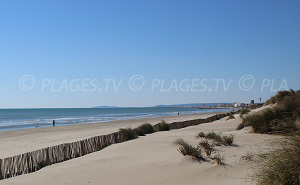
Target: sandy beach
{"type": "Point", "coordinates": [152, 159]}
{"type": "Point", "coordinates": [149, 92]}
{"type": "Point", "coordinates": [21, 141]}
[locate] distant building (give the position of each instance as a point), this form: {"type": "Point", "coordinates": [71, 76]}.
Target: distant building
{"type": "Point", "coordinates": [252, 102]}
{"type": "Point", "coordinates": [237, 104]}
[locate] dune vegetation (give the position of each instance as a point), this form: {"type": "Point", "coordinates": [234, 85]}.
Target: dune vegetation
{"type": "Point", "coordinates": [188, 150]}
{"type": "Point", "coordinates": [282, 117]}
{"type": "Point", "coordinates": [144, 129]}
{"type": "Point", "coordinates": [163, 126]}
{"type": "Point", "coordinates": [282, 164]}
{"type": "Point", "coordinates": [243, 112]}
{"type": "Point", "coordinates": [205, 148]}
{"type": "Point", "coordinates": [128, 134]}
{"type": "Point", "coordinates": [218, 138]}
{"type": "Point", "coordinates": [230, 115]}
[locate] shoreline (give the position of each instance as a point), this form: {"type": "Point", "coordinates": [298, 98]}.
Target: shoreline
{"type": "Point", "coordinates": [154, 159]}
{"type": "Point", "coordinates": [14, 142]}
{"type": "Point", "coordinates": [61, 120]}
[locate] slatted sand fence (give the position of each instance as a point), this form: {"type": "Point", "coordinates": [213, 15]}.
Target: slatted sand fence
{"type": "Point", "coordinates": [32, 161]}
{"type": "Point", "coordinates": [182, 124]}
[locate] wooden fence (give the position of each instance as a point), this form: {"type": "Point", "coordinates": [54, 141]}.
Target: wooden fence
{"type": "Point", "coordinates": [32, 161]}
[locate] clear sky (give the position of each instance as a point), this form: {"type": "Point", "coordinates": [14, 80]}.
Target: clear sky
{"type": "Point", "coordinates": [58, 42]}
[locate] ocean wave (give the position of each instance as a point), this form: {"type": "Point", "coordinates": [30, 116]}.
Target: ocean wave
{"type": "Point", "coordinates": [71, 116]}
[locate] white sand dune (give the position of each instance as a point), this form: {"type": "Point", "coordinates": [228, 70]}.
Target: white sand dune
{"type": "Point", "coordinates": [154, 159]}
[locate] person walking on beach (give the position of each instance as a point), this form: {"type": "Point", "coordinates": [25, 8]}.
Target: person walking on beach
{"type": "Point", "coordinates": [53, 123]}
{"type": "Point", "coordinates": [178, 113]}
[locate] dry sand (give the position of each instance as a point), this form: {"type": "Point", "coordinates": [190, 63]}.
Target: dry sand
{"type": "Point", "coordinates": [152, 159]}
{"type": "Point", "coordinates": [21, 141]}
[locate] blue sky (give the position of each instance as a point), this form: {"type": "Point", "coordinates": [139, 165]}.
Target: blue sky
{"type": "Point", "coordinates": [165, 40]}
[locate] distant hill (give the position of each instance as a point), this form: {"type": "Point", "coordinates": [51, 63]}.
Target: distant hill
{"type": "Point", "coordinates": [193, 104]}
{"type": "Point", "coordinates": [171, 105]}
{"type": "Point", "coordinates": [106, 106]}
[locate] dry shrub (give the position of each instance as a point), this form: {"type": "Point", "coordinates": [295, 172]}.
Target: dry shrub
{"type": "Point", "coordinates": [146, 128]}
{"type": "Point", "coordinates": [138, 132]}
{"type": "Point", "coordinates": [220, 160]}
{"type": "Point", "coordinates": [243, 112]}
{"type": "Point", "coordinates": [281, 118]}
{"type": "Point", "coordinates": [218, 138]}
{"type": "Point", "coordinates": [230, 116]}
{"type": "Point", "coordinates": [188, 150]}
{"type": "Point", "coordinates": [207, 147]}
{"type": "Point", "coordinates": [128, 134]}
{"type": "Point", "coordinates": [279, 97]}
{"type": "Point", "coordinates": [228, 140]}
{"type": "Point", "coordinates": [163, 126]}
{"type": "Point", "coordinates": [200, 135]}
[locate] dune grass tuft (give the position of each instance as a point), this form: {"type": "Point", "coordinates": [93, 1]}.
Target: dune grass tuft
{"type": "Point", "coordinates": [179, 142]}
{"type": "Point", "coordinates": [228, 113]}
{"type": "Point", "coordinates": [188, 150]}
{"type": "Point", "coordinates": [207, 147]}
{"type": "Point", "coordinates": [230, 116]}
{"type": "Point", "coordinates": [279, 97]}
{"type": "Point", "coordinates": [217, 137]}
{"type": "Point", "coordinates": [281, 118]}
{"type": "Point", "coordinates": [146, 128]}
{"type": "Point", "coordinates": [128, 134]}
{"type": "Point", "coordinates": [243, 112]}
{"type": "Point", "coordinates": [214, 136]}
{"type": "Point", "coordinates": [220, 160]}
{"type": "Point", "coordinates": [138, 132]}
{"type": "Point", "coordinates": [282, 165]}
{"type": "Point", "coordinates": [163, 126]}
{"type": "Point", "coordinates": [228, 140]}
{"type": "Point", "coordinates": [200, 135]}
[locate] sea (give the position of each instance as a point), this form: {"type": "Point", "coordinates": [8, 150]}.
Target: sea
{"type": "Point", "coordinates": [14, 119]}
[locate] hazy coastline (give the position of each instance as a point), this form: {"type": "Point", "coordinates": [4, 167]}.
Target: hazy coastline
{"type": "Point", "coordinates": [153, 158]}
{"type": "Point", "coordinates": [15, 119]}
{"type": "Point", "coordinates": [14, 142]}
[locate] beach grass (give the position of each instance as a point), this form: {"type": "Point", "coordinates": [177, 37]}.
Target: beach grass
{"type": "Point", "coordinates": [281, 118]}
{"type": "Point", "coordinates": [280, 166]}
{"type": "Point", "coordinates": [163, 126]}
{"type": "Point", "coordinates": [217, 137]}
{"type": "Point", "coordinates": [243, 112]}
{"type": "Point", "coordinates": [179, 141]}
{"type": "Point", "coordinates": [128, 134]}
{"type": "Point", "coordinates": [230, 116]}
{"type": "Point", "coordinates": [138, 132]}
{"type": "Point", "coordinates": [228, 140]}
{"type": "Point", "coordinates": [208, 148]}
{"type": "Point", "coordinates": [146, 128]}
{"type": "Point", "coordinates": [200, 135]}
{"type": "Point", "coordinates": [279, 97]}
{"type": "Point", "coordinates": [188, 150]}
